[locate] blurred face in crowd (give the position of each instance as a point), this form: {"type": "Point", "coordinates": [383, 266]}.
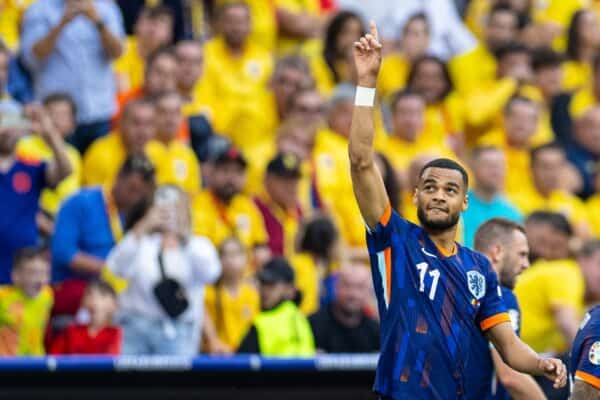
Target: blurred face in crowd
{"type": "Point", "coordinates": [130, 190]}
{"type": "Point", "coordinates": [514, 259]}
{"type": "Point", "coordinates": [520, 123]}
{"type": "Point", "coordinates": [415, 168]}
{"type": "Point", "coordinates": [352, 289]}
{"type": "Point", "coordinates": [285, 82]}
{"type": "Point", "coordinates": [32, 275]}
{"type": "Point", "coordinates": [502, 29]}
{"type": "Point", "coordinates": [282, 190]}
{"type": "Point", "coordinates": [590, 268]}
{"type": "Point", "coordinates": [298, 140]}
{"type": "Point", "coordinates": [190, 59]}
{"type": "Point", "coordinates": [233, 259]}
{"type": "Point", "coordinates": [309, 105]}
{"type": "Point", "coordinates": [408, 118]}
{"type": "Point", "coordinates": [3, 70]}
{"type": "Point", "coordinates": [235, 25]}
{"type": "Point", "coordinates": [546, 242]}
{"type": "Point", "coordinates": [587, 130]}
{"type": "Point", "coordinates": [153, 32]}
{"type": "Point", "coordinates": [549, 80]}
{"type": "Point", "coordinates": [101, 305]}
{"type": "Point", "coordinates": [137, 126]}
{"type": "Point", "coordinates": [351, 31]}
{"type": "Point", "coordinates": [9, 135]}
{"type": "Point", "coordinates": [489, 168]}
{"type": "Point", "coordinates": [340, 117]}
{"type": "Point", "coordinates": [227, 179]}
{"type": "Point", "coordinates": [429, 81]}
{"type": "Point", "coordinates": [168, 116]}
{"type": "Point", "coordinates": [440, 198]}
{"type": "Point", "coordinates": [161, 75]}
{"type": "Point", "coordinates": [271, 294]}
{"type": "Point", "coordinates": [547, 170]}
{"type": "Point", "coordinates": [589, 29]}
{"type": "Point", "coordinates": [516, 65]}
{"type": "Point", "coordinates": [415, 38]}
{"type": "Point", "coordinates": [63, 117]}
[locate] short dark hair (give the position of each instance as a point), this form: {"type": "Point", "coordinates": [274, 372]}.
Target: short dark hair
{"type": "Point", "coordinates": [502, 7]}
{"type": "Point", "coordinates": [556, 220]}
{"type": "Point", "coordinates": [573, 33]}
{"type": "Point", "coordinates": [511, 48]}
{"type": "Point", "coordinates": [420, 16]}
{"type": "Point", "coordinates": [517, 99]}
{"type": "Point", "coordinates": [590, 248]}
{"type": "Point", "coordinates": [101, 286]}
{"type": "Point", "coordinates": [161, 51]}
{"type": "Point", "coordinates": [545, 58]}
{"type": "Point", "coordinates": [133, 103]}
{"type": "Point", "coordinates": [25, 254]}
{"type": "Point", "coordinates": [318, 237]}
{"type": "Point", "coordinates": [479, 150]}
{"type": "Point", "coordinates": [158, 11]}
{"type": "Point", "coordinates": [446, 163]}
{"type": "Point", "coordinates": [495, 230]}
{"type": "Point", "coordinates": [138, 164]}
{"type": "Point", "coordinates": [61, 97]}
{"type": "Point", "coordinates": [440, 63]}
{"type": "Point", "coordinates": [535, 152]}
{"type": "Point", "coordinates": [401, 95]}
{"type": "Point", "coordinates": [229, 4]}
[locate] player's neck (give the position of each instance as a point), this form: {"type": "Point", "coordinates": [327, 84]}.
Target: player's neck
{"type": "Point", "coordinates": [444, 240]}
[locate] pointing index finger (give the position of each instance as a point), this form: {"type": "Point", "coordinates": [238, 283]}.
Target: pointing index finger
{"type": "Point", "coordinates": [373, 28]}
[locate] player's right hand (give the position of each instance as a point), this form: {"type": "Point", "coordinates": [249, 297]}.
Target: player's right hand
{"type": "Point", "coordinates": [555, 370]}
{"type": "Point", "coordinates": [367, 57]}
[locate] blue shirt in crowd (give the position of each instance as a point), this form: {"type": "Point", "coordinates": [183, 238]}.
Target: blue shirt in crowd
{"type": "Point", "coordinates": [480, 211]}
{"type": "Point", "coordinates": [20, 189]}
{"type": "Point", "coordinates": [78, 65]}
{"type": "Point", "coordinates": [82, 225]}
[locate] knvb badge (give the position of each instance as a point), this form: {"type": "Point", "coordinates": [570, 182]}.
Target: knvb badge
{"type": "Point", "coordinates": [476, 283]}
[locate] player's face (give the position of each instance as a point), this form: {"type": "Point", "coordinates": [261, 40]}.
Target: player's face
{"type": "Point", "coordinates": [440, 197]}
{"type": "Point", "coordinates": [515, 260]}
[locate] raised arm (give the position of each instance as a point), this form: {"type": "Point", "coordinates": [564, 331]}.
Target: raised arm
{"type": "Point", "coordinates": [366, 178]}
{"type": "Point", "coordinates": [522, 358]}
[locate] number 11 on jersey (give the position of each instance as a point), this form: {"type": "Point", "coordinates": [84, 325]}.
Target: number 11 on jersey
{"type": "Point", "coordinates": [434, 274]}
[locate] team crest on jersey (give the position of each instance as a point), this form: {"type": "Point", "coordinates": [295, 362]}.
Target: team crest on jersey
{"type": "Point", "coordinates": [476, 283]}
{"type": "Point", "coordinates": [594, 355]}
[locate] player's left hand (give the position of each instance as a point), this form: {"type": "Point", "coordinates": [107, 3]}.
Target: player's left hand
{"type": "Point", "coordinates": [555, 370]}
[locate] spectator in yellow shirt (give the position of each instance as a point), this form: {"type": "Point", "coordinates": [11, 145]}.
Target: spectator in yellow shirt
{"type": "Point", "coordinates": [583, 42]}
{"type": "Point", "coordinates": [233, 302]}
{"type": "Point", "coordinates": [62, 110]}
{"type": "Point", "coordinates": [330, 59]}
{"type": "Point", "coordinates": [236, 75]}
{"type": "Point", "coordinates": [478, 66]}
{"type": "Point", "coordinates": [395, 67]}
{"type": "Point", "coordinates": [222, 210]}
{"type": "Point", "coordinates": [175, 162]}
{"type": "Point", "coordinates": [25, 305]}
{"type": "Point", "coordinates": [152, 30]}
{"type": "Point", "coordinates": [430, 77]}
{"type": "Point", "coordinates": [548, 167]}
{"type": "Point", "coordinates": [298, 21]}
{"type": "Point", "coordinates": [593, 207]}
{"type": "Point", "coordinates": [552, 296]}
{"type": "Point", "coordinates": [279, 203]}
{"type": "Point", "coordinates": [549, 236]}
{"type": "Point", "coordinates": [105, 156]}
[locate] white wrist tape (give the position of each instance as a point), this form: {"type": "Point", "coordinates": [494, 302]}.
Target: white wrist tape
{"type": "Point", "coordinates": [364, 96]}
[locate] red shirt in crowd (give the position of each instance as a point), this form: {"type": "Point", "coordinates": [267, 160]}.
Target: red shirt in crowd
{"type": "Point", "coordinates": [76, 339]}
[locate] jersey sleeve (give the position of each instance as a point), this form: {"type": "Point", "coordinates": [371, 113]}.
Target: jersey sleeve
{"type": "Point", "coordinates": [379, 238]}
{"type": "Point", "coordinates": [587, 368]}
{"type": "Point", "coordinates": [492, 310]}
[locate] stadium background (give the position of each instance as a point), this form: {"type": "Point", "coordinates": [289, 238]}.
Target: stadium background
{"type": "Point", "coordinates": [508, 87]}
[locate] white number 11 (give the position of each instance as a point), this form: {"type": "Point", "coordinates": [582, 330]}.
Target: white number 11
{"type": "Point", "coordinates": [434, 273]}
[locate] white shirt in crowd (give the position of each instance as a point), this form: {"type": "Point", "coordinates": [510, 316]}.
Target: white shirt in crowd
{"type": "Point", "coordinates": [193, 266]}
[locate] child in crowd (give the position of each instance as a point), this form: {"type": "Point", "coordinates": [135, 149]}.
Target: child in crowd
{"type": "Point", "coordinates": [25, 305]}
{"type": "Point", "coordinates": [98, 335]}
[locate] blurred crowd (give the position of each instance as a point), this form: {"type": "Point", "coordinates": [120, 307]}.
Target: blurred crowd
{"type": "Point", "coordinates": [174, 174]}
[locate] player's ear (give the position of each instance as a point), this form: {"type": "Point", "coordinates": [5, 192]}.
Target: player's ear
{"type": "Point", "coordinates": [465, 203]}
{"type": "Point", "coordinates": [415, 199]}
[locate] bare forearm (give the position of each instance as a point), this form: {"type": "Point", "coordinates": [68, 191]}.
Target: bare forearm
{"type": "Point", "coordinates": [61, 166]}
{"type": "Point", "coordinates": [112, 44]}
{"type": "Point", "coordinates": [519, 385]}
{"type": "Point", "coordinates": [298, 25]}
{"type": "Point", "coordinates": [44, 47]}
{"type": "Point", "coordinates": [519, 356]}
{"type": "Point", "coordinates": [86, 263]}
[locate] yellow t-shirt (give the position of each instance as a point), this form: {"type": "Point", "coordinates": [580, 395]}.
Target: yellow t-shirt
{"type": "Point", "coordinates": [542, 286]}
{"type": "Point", "coordinates": [11, 13]}
{"type": "Point", "coordinates": [236, 86]}
{"type": "Point", "coordinates": [473, 68]}
{"type": "Point", "coordinates": [308, 281]}
{"type": "Point", "coordinates": [393, 74]}
{"type": "Point", "coordinates": [51, 199]}
{"type": "Point", "coordinates": [558, 201]}
{"type": "Point", "coordinates": [103, 159]}
{"type": "Point", "coordinates": [232, 315]}
{"type": "Point", "coordinates": [576, 75]}
{"type": "Point", "coordinates": [130, 66]}
{"type": "Point", "coordinates": [23, 321]}
{"type": "Point", "coordinates": [175, 164]}
{"type": "Point", "coordinates": [218, 221]}
{"type": "Point", "coordinates": [582, 101]}
{"type": "Point", "coordinates": [593, 207]}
